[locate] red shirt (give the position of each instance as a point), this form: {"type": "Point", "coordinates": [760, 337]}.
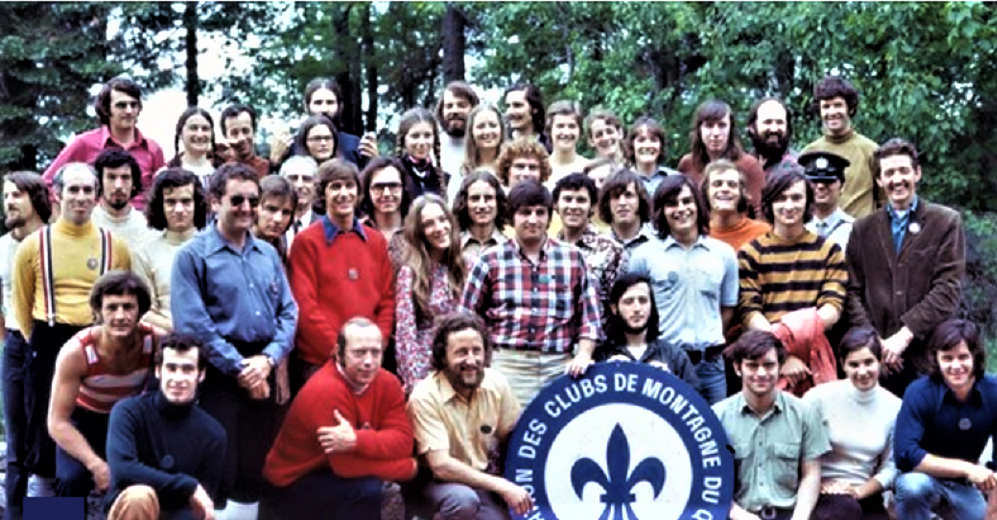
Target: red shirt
{"type": "Point", "coordinates": [88, 145]}
{"type": "Point", "coordinates": [384, 431]}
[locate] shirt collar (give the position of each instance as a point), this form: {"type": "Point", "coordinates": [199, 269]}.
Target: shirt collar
{"type": "Point", "coordinates": [894, 216]}
{"type": "Point", "coordinates": [777, 405]}
{"type": "Point", "coordinates": [105, 137]}
{"type": "Point", "coordinates": [332, 230]}
{"type": "Point", "coordinates": [586, 240]}
{"type": "Point", "coordinates": [646, 233]}
{"type": "Point", "coordinates": [217, 242]}
{"type": "Point", "coordinates": [496, 237]}
{"type": "Point", "coordinates": [670, 242]}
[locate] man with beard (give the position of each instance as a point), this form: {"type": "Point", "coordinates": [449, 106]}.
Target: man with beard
{"type": "Point", "coordinates": [906, 264]}
{"type": "Point", "coordinates": [694, 279]}
{"type": "Point", "coordinates": [826, 172]}
{"type": "Point", "coordinates": [770, 127]}
{"type": "Point", "coordinates": [525, 114]}
{"type": "Point", "coordinates": [54, 271]}
{"type": "Point", "coordinates": [457, 101]}
{"type": "Point", "coordinates": [461, 476]}
{"type": "Point", "coordinates": [300, 171]}
{"type": "Point", "coordinates": [838, 102]}
{"type": "Point", "coordinates": [345, 434]}
{"type": "Point", "coordinates": [625, 206]}
{"type": "Point", "coordinates": [120, 181]}
{"type": "Point", "coordinates": [777, 438]}
{"type": "Point", "coordinates": [162, 448]}
{"type": "Point", "coordinates": [231, 294]}
{"type": "Point", "coordinates": [238, 124]}
{"type": "Point", "coordinates": [536, 297]}
{"type": "Point", "coordinates": [27, 207]}
{"type": "Point", "coordinates": [944, 424]}
{"type": "Point", "coordinates": [118, 106]}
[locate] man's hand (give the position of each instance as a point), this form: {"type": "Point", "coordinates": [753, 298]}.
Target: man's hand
{"type": "Point", "coordinates": [279, 144]}
{"type": "Point", "coordinates": [368, 145]}
{"type": "Point", "coordinates": [260, 391]}
{"type": "Point", "coordinates": [982, 478]}
{"type": "Point", "coordinates": [893, 349]}
{"type": "Point", "coordinates": [517, 498]}
{"type": "Point", "coordinates": [836, 487]}
{"type": "Point", "coordinates": [101, 474]}
{"type": "Point", "coordinates": [659, 364]}
{"type": "Point", "coordinates": [579, 364]}
{"type": "Point", "coordinates": [255, 370]}
{"type": "Point", "coordinates": [202, 505]}
{"type": "Point", "coordinates": [340, 438]}
{"type": "Point", "coordinates": [794, 370]}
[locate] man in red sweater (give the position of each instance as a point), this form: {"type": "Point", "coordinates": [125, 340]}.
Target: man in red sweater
{"type": "Point", "coordinates": [337, 270]}
{"type": "Point", "coordinates": [346, 432]}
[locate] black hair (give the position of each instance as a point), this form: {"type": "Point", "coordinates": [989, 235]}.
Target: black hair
{"type": "Point", "coordinates": [667, 193]}
{"type": "Point", "coordinates": [155, 213]}
{"type": "Point", "coordinates": [574, 182]}
{"type": "Point", "coordinates": [120, 283]}
{"type": "Point", "coordinates": [116, 158]}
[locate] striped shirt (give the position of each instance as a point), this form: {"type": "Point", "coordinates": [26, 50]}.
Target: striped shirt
{"type": "Point", "coordinates": [545, 307]}
{"type": "Point", "coordinates": [101, 389]}
{"type": "Point", "coordinates": [779, 276]}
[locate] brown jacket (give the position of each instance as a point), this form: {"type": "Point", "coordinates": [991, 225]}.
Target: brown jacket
{"type": "Point", "coordinates": [920, 287]}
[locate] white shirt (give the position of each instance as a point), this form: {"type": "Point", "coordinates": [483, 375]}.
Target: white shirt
{"type": "Point", "coordinates": [451, 159]}
{"type": "Point", "coordinates": [837, 227]}
{"type": "Point", "coordinates": [132, 228]}
{"type": "Point", "coordinates": [8, 251]}
{"type": "Point", "coordinates": [303, 222]}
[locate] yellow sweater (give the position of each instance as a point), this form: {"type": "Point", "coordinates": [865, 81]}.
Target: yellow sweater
{"type": "Point", "coordinates": [75, 266]}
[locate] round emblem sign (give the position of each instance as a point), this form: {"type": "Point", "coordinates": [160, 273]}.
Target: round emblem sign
{"type": "Point", "coordinates": [626, 441]}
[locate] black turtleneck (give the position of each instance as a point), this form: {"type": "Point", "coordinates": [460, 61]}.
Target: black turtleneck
{"type": "Point", "coordinates": [171, 448]}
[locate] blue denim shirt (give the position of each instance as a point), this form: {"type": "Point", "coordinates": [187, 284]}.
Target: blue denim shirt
{"type": "Point", "coordinates": [220, 295]}
{"type": "Point", "coordinates": [899, 224]}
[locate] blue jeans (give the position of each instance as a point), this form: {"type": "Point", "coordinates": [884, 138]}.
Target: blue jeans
{"type": "Point", "coordinates": [15, 354]}
{"type": "Point", "coordinates": [73, 479]}
{"type": "Point", "coordinates": [712, 379]}
{"type": "Point", "coordinates": [918, 495]}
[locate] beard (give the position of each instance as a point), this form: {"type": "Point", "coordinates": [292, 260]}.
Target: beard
{"type": "Point", "coordinates": [14, 222]}
{"type": "Point", "coordinates": [630, 329]}
{"type": "Point", "coordinates": [455, 131]}
{"type": "Point", "coordinates": [770, 152]}
{"type": "Point", "coordinates": [459, 382]}
{"type": "Point", "coordinates": [118, 205]}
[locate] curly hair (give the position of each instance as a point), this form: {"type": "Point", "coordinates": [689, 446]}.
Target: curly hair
{"type": "Point", "coordinates": [417, 256]}
{"type": "Point", "coordinates": [461, 206]}
{"type": "Point", "coordinates": [449, 324]}
{"type": "Point", "coordinates": [835, 86]}
{"type": "Point", "coordinates": [155, 213]}
{"type": "Point", "coordinates": [522, 147]}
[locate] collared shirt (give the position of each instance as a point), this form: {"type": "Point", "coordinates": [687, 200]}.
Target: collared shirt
{"type": "Point", "coordinates": [546, 307]}
{"type": "Point", "coordinates": [837, 227]}
{"type": "Point", "coordinates": [87, 146]}
{"type": "Point", "coordinates": [605, 258]}
{"type": "Point", "coordinates": [298, 225]}
{"type": "Point", "coordinates": [332, 230]}
{"type": "Point", "coordinates": [646, 234]}
{"type": "Point", "coordinates": [690, 286]}
{"type": "Point", "coordinates": [932, 420]}
{"type": "Point", "coordinates": [768, 449]}
{"type": "Point", "coordinates": [470, 431]}
{"type": "Point", "coordinates": [651, 182]}
{"type": "Point", "coordinates": [221, 296]}
{"type": "Point", "coordinates": [8, 251]}
{"type": "Point", "coordinates": [473, 248]}
{"type": "Point", "coordinates": [900, 222]}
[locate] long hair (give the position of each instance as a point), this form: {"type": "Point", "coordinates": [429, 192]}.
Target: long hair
{"type": "Point", "coordinates": [32, 184]}
{"type": "Point", "coordinates": [668, 192]}
{"type": "Point", "coordinates": [301, 139]}
{"type": "Point", "coordinates": [949, 334]}
{"type": "Point", "coordinates": [418, 259]}
{"type": "Point", "coordinates": [472, 156]}
{"type": "Point", "coordinates": [522, 147]}
{"type": "Point", "coordinates": [614, 186]}
{"type": "Point", "coordinates": [175, 162]}
{"type": "Point", "coordinates": [327, 84]}
{"type": "Point", "coordinates": [275, 186]}
{"type": "Point", "coordinates": [652, 127]}
{"type": "Point", "coordinates": [710, 111]}
{"type": "Point", "coordinates": [155, 213]}
{"type": "Point", "coordinates": [616, 327]}
{"type": "Point", "coordinates": [458, 89]}
{"type": "Point", "coordinates": [410, 118]}
{"type": "Point", "coordinates": [781, 181]}
{"type": "Point", "coordinates": [461, 206]}
{"type": "Point", "coordinates": [366, 204]}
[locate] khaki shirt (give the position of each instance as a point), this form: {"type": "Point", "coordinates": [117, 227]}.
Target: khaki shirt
{"type": "Point", "coordinates": [769, 450]}
{"type": "Point", "coordinates": [469, 430]}
{"type": "Point", "coordinates": [473, 248]}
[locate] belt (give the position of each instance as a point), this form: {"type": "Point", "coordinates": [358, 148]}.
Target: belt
{"type": "Point", "coordinates": [695, 356]}
{"type": "Point", "coordinates": [770, 513]}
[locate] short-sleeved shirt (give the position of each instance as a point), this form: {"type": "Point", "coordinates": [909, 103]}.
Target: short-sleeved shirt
{"type": "Point", "coordinates": [471, 431]}
{"type": "Point", "coordinates": [690, 286]}
{"type": "Point", "coordinates": [768, 450]}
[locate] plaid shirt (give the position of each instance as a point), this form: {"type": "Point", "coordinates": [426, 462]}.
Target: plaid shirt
{"type": "Point", "coordinates": [545, 307]}
{"type": "Point", "coordinates": [605, 258]}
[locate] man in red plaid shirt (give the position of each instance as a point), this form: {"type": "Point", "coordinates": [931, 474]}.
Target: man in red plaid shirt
{"type": "Point", "coordinates": [536, 297]}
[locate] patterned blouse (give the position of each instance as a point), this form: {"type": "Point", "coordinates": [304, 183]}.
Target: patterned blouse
{"type": "Point", "coordinates": [413, 337]}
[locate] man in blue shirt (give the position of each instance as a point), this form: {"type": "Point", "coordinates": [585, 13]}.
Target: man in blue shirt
{"type": "Point", "coordinates": [230, 292]}
{"type": "Point", "coordinates": [942, 428]}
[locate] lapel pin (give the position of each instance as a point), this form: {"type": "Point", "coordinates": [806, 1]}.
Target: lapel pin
{"type": "Point", "coordinates": [914, 228]}
{"type": "Point", "coordinates": [353, 274]}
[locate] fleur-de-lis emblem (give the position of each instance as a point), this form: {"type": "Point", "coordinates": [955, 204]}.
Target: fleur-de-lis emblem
{"type": "Point", "coordinates": [617, 485]}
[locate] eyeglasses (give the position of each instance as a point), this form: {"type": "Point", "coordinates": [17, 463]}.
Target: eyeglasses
{"type": "Point", "coordinates": [237, 200]}
{"type": "Point", "coordinates": [382, 187]}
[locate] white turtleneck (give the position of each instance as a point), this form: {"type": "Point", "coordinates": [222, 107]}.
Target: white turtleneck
{"type": "Point", "coordinates": [860, 425]}
{"type": "Point", "coordinates": [153, 262]}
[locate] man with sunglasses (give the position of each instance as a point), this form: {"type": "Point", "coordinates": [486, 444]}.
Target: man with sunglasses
{"type": "Point", "coordinates": [231, 294]}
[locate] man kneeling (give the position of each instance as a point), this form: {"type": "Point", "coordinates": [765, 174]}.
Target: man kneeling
{"type": "Point", "coordinates": [163, 449]}
{"type": "Point", "coordinates": [463, 413]}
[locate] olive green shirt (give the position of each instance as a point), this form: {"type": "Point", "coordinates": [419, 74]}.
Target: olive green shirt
{"type": "Point", "coordinates": [769, 450]}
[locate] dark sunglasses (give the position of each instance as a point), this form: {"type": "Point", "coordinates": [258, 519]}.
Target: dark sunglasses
{"type": "Point", "coordinates": [237, 200]}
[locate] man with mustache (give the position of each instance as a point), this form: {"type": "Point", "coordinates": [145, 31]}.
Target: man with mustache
{"type": "Point", "coordinates": [118, 106]}
{"type": "Point", "coordinates": [906, 263]}
{"type": "Point", "coordinates": [460, 477]}
{"type": "Point", "coordinates": [238, 124]}
{"type": "Point", "coordinates": [838, 102]}
{"type": "Point", "coordinates": [120, 180]}
{"type": "Point", "coordinates": [770, 127]}
{"type": "Point", "coordinates": [300, 171]}
{"type": "Point", "coordinates": [27, 207]}
{"type": "Point", "coordinates": [777, 438]}
{"type": "Point", "coordinates": [451, 111]}
{"type": "Point", "coordinates": [54, 271]}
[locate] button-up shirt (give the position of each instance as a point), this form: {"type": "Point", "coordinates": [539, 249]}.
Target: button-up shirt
{"type": "Point", "coordinates": [837, 227]}
{"type": "Point", "coordinates": [768, 449]}
{"type": "Point", "coordinates": [224, 296]}
{"type": "Point", "coordinates": [651, 182]}
{"type": "Point", "coordinates": [88, 145]}
{"type": "Point", "coordinates": [546, 307]}
{"type": "Point", "coordinates": [605, 258]}
{"type": "Point", "coordinates": [899, 222]}
{"type": "Point", "coordinates": [646, 234]}
{"type": "Point", "coordinates": [298, 225]}
{"type": "Point", "coordinates": [473, 248]}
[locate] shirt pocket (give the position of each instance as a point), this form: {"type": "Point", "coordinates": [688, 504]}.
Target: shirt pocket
{"type": "Point", "coordinates": [741, 451]}
{"type": "Point", "coordinates": [709, 277]}
{"type": "Point", "coordinates": [785, 464]}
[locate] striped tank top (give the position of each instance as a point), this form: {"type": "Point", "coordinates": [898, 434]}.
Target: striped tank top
{"type": "Point", "coordinates": [100, 389]}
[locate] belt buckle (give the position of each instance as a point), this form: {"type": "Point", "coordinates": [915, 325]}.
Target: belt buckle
{"type": "Point", "coordinates": [768, 513]}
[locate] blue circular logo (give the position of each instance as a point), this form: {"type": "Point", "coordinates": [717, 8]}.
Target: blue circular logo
{"type": "Point", "coordinates": [627, 441]}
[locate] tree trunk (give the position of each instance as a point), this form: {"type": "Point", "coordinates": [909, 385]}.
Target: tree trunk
{"type": "Point", "coordinates": [343, 60]}
{"type": "Point", "coordinates": [193, 86]}
{"type": "Point", "coordinates": [454, 43]}
{"type": "Point", "coordinates": [370, 64]}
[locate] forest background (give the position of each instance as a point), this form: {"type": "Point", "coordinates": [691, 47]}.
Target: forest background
{"type": "Point", "coordinates": [926, 72]}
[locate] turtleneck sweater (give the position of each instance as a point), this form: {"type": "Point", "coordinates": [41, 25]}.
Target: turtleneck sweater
{"type": "Point", "coordinates": [860, 425]}
{"type": "Point", "coordinates": [132, 228]}
{"type": "Point", "coordinates": [859, 194]}
{"type": "Point", "coordinates": [154, 265]}
{"type": "Point", "coordinates": [169, 447]}
{"type": "Point", "coordinates": [743, 232]}
{"type": "Point", "coordinates": [76, 257]}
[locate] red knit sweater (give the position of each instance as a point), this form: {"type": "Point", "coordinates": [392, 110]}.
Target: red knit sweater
{"type": "Point", "coordinates": [335, 282]}
{"type": "Point", "coordinates": [384, 435]}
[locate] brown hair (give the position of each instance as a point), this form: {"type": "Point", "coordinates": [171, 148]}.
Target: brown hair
{"type": "Point", "coordinates": [455, 322]}
{"type": "Point", "coordinates": [653, 128]}
{"type": "Point", "coordinates": [720, 166]}
{"type": "Point", "coordinates": [615, 185]}
{"type": "Point", "coordinates": [754, 344]}
{"type": "Point", "coordinates": [522, 147]}
{"type": "Point", "coordinates": [835, 86]}
{"type": "Point", "coordinates": [713, 110]}
{"type": "Point", "coordinates": [333, 170]}
{"type": "Point", "coordinates": [459, 89]}
{"type": "Point", "coordinates": [895, 146]}
{"type": "Point", "coordinates": [417, 256]}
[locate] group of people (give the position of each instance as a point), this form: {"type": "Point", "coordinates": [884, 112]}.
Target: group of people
{"type": "Point", "coordinates": [328, 319]}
